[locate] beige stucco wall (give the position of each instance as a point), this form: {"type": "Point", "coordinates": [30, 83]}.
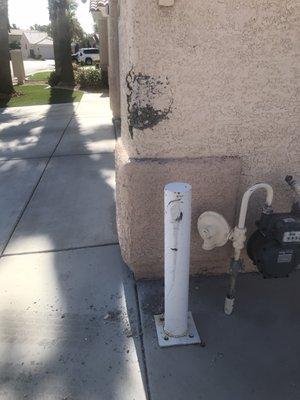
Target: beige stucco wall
{"type": "Point", "coordinates": [140, 211]}
{"type": "Point", "coordinates": [101, 22]}
{"type": "Point", "coordinates": [113, 58]}
{"type": "Point", "coordinates": [212, 79]}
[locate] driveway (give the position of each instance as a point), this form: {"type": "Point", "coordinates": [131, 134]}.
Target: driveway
{"type": "Point", "coordinates": [32, 66]}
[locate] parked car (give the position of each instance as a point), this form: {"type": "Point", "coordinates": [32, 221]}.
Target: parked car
{"type": "Point", "coordinates": [88, 56]}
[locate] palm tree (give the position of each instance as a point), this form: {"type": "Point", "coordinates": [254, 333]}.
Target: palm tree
{"type": "Point", "coordinates": [6, 86]}
{"type": "Point", "coordinates": [59, 17]}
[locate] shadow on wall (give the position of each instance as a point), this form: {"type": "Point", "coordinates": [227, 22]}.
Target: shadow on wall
{"type": "Point", "coordinates": [60, 346]}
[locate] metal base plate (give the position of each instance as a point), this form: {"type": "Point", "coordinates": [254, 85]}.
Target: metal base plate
{"type": "Point", "coordinates": [166, 341]}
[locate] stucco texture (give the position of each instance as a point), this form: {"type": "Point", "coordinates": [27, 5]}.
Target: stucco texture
{"type": "Point", "coordinates": [140, 211]}
{"type": "Point", "coordinates": [213, 79]}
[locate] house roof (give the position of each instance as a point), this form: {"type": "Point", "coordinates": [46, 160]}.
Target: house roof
{"type": "Point", "coordinates": [16, 32]}
{"type": "Point", "coordinates": [96, 5]}
{"type": "Point", "coordinates": [35, 37]}
{"type": "Point", "coordinates": [46, 40]}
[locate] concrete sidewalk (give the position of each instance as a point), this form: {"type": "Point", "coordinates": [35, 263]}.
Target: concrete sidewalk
{"type": "Point", "coordinates": [251, 355]}
{"type": "Point", "coordinates": [69, 322]}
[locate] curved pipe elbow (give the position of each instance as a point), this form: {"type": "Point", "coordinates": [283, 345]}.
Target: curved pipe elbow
{"type": "Point", "coordinates": [246, 198]}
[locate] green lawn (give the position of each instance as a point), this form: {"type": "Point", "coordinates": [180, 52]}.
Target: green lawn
{"type": "Point", "coordinates": [41, 94]}
{"type": "Point", "coordinates": [40, 76]}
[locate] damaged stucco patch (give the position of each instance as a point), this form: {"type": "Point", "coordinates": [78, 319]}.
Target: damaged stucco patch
{"type": "Point", "coordinates": [149, 100]}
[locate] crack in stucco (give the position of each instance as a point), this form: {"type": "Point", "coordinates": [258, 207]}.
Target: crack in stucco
{"type": "Point", "coordinates": [149, 100]}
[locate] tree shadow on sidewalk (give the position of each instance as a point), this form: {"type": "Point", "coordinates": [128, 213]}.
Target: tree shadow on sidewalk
{"type": "Point", "coordinates": [66, 331]}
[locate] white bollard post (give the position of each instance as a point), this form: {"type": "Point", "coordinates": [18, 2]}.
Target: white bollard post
{"type": "Point", "coordinates": [177, 326]}
{"type": "Point", "coordinates": [178, 202]}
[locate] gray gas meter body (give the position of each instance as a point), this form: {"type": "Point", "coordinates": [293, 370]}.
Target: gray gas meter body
{"type": "Point", "coordinates": [275, 247]}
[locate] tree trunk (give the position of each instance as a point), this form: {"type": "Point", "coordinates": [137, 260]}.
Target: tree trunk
{"type": "Point", "coordinates": [61, 41]}
{"type": "Point", "coordinates": [6, 86]}
{"type": "Point", "coordinates": [55, 44]}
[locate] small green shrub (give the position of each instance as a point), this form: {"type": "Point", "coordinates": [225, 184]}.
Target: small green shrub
{"type": "Point", "coordinates": [53, 79]}
{"type": "Point", "coordinates": [15, 45]}
{"type": "Point", "coordinates": [91, 78]}
{"type": "Point", "coordinates": [75, 67]}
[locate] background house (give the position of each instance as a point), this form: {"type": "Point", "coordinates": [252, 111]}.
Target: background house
{"type": "Point", "coordinates": [15, 36]}
{"type": "Point", "coordinates": [36, 44]}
